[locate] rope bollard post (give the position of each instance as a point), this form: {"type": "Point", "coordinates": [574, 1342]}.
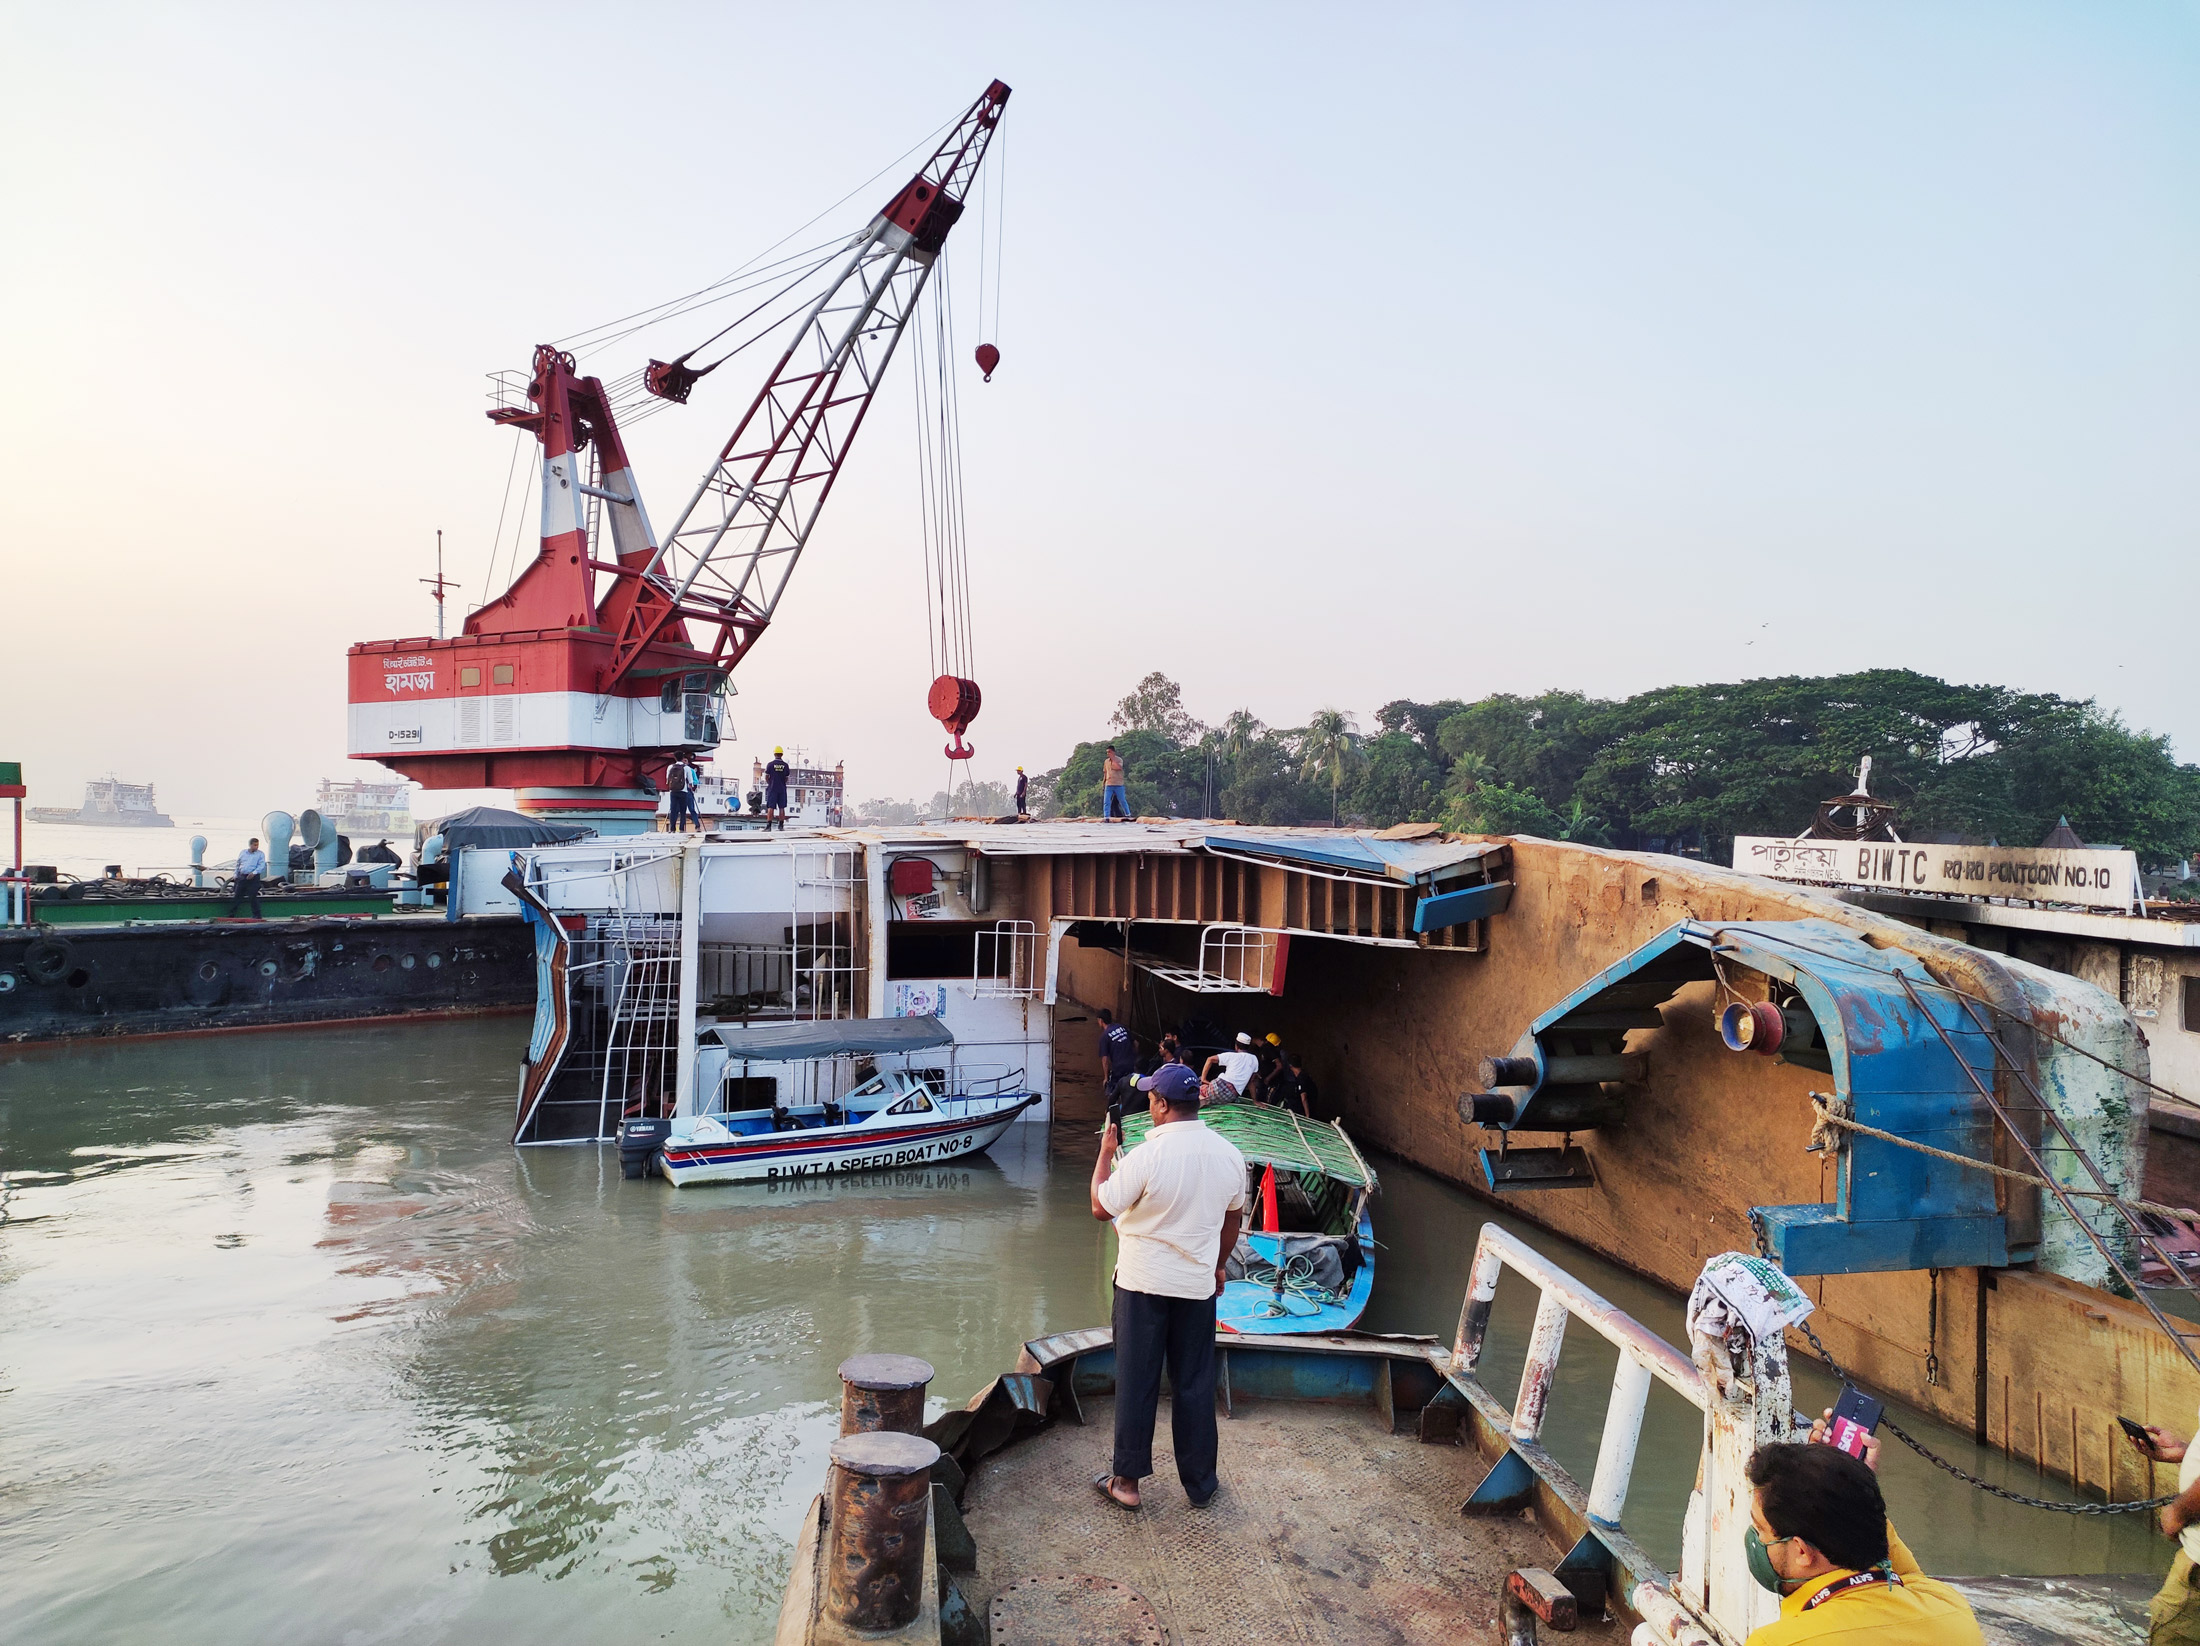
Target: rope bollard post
{"type": "Point", "coordinates": [883, 1392]}
{"type": "Point", "coordinates": [881, 1490]}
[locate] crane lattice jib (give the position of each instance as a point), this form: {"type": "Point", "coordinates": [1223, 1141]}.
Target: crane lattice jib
{"type": "Point", "coordinates": [727, 559]}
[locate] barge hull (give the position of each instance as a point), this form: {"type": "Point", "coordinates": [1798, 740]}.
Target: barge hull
{"type": "Point", "coordinates": [93, 983]}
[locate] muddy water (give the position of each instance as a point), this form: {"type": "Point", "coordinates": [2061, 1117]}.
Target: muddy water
{"type": "Point", "coordinates": [293, 1346]}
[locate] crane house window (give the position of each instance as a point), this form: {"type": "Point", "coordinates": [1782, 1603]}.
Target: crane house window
{"type": "Point", "coordinates": [501, 674]}
{"type": "Point", "coordinates": [469, 677]}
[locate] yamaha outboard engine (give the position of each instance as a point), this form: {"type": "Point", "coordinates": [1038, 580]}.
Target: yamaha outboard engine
{"type": "Point", "coordinates": [639, 1141]}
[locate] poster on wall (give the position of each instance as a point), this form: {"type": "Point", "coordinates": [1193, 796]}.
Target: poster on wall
{"type": "Point", "coordinates": [919, 1000]}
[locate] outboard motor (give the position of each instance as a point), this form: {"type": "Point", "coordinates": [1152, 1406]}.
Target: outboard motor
{"type": "Point", "coordinates": [639, 1141]}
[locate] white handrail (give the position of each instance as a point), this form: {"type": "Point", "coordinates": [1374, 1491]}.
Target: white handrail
{"type": "Point", "coordinates": [1642, 1355]}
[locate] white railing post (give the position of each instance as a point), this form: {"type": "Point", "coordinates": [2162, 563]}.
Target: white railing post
{"type": "Point", "coordinates": [1622, 1431]}
{"type": "Point", "coordinates": [1542, 1366]}
{"type": "Point", "coordinates": [690, 863]}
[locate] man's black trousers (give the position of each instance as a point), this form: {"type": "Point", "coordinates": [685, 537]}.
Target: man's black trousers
{"type": "Point", "coordinates": [246, 888]}
{"type": "Point", "coordinates": [1178, 1331]}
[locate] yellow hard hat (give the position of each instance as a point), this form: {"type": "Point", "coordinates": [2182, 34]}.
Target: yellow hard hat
{"type": "Point", "coordinates": [1274, 1041]}
{"type": "Point", "coordinates": [776, 749]}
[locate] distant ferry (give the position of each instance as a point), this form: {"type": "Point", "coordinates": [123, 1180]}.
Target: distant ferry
{"type": "Point", "coordinates": [110, 805]}
{"type": "Point", "coordinates": [366, 808]}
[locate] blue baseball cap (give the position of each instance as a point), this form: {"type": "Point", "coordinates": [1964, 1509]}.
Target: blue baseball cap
{"type": "Point", "coordinates": [1174, 1082]}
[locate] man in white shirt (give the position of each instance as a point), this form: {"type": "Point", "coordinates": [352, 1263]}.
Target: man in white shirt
{"type": "Point", "coordinates": [1176, 1202]}
{"type": "Point", "coordinates": [251, 870]}
{"type": "Point", "coordinates": [1237, 1066]}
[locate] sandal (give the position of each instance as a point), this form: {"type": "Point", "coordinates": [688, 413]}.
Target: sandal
{"type": "Point", "coordinates": [1105, 1486]}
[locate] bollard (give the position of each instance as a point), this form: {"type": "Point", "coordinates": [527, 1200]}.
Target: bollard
{"type": "Point", "coordinates": [883, 1392]}
{"type": "Point", "coordinates": [881, 1490]}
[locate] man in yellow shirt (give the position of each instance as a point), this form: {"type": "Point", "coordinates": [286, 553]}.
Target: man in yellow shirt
{"type": "Point", "coordinates": [2174, 1618]}
{"type": "Point", "coordinates": [1819, 1538]}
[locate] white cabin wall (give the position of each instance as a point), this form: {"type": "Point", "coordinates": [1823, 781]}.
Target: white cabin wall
{"type": "Point", "coordinates": [991, 1033]}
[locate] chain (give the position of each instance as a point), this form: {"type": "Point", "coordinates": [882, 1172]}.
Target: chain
{"type": "Point", "coordinates": [1757, 1231]}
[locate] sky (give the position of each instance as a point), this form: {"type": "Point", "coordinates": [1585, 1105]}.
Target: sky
{"type": "Point", "coordinates": [1347, 353]}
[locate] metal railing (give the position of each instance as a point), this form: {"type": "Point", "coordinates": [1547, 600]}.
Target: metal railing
{"type": "Point", "coordinates": [1005, 961]}
{"type": "Point", "coordinates": [747, 981]}
{"type": "Point", "coordinates": [1643, 1355]}
{"type": "Point", "coordinates": [1232, 960]}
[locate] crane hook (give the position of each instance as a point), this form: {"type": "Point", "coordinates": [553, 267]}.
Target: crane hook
{"type": "Point", "coordinates": [988, 358]}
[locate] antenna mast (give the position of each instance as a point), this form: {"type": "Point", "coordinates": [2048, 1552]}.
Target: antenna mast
{"type": "Point", "coordinates": [438, 583]}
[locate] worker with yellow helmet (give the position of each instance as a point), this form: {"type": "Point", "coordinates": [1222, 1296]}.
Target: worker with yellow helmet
{"type": "Point", "coordinates": [775, 789]}
{"type": "Point", "coordinates": [1023, 792]}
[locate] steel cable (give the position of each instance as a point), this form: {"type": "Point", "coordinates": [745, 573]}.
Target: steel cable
{"type": "Point", "coordinates": [1764, 1250]}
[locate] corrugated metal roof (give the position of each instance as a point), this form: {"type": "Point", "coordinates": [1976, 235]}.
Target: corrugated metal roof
{"type": "Point", "coordinates": [1351, 851]}
{"type": "Point", "coordinates": [1039, 839]}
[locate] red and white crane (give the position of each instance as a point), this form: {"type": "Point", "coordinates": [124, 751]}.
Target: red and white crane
{"type": "Point", "coordinates": [603, 662]}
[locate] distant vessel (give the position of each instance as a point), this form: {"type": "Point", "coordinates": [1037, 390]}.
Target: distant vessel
{"type": "Point", "coordinates": [366, 807]}
{"type": "Point", "coordinates": [111, 805]}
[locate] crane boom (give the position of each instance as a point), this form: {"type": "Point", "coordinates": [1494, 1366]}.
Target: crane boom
{"type": "Point", "coordinates": [727, 559]}
{"type": "Point", "coordinates": [602, 661]}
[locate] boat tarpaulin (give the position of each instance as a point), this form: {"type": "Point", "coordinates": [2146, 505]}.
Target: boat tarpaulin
{"type": "Point", "coordinates": [1274, 1137]}
{"type": "Point", "coordinates": [834, 1037]}
{"type": "Point", "coordinates": [491, 826]}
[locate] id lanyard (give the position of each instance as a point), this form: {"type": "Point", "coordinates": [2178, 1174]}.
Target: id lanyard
{"type": "Point", "coordinates": [1855, 1580]}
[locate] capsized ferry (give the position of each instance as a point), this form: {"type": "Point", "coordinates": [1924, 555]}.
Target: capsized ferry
{"type": "Point", "coordinates": [914, 1112]}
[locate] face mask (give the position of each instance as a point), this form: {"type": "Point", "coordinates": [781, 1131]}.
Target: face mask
{"type": "Point", "coordinates": [1760, 1561]}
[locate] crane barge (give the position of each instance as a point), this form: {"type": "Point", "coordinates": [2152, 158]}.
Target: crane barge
{"type": "Point", "coordinates": [605, 661]}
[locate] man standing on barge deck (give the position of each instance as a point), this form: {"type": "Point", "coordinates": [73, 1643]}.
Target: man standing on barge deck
{"type": "Point", "coordinates": [775, 790]}
{"type": "Point", "coordinates": [251, 870]}
{"type": "Point", "coordinates": [1113, 793]}
{"type": "Point", "coordinates": [1176, 1205]}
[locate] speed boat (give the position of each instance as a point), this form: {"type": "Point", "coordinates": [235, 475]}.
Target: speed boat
{"type": "Point", "coordinates": [831, 1108]}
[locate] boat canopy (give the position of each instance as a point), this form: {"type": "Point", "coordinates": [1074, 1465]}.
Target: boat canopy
{"type": "Point", "coordinates": [492, 826]}
{"type": "Point", "coordinates": [1275, 1137]}
{"type": "Point", "coordinates": [833, 1037]}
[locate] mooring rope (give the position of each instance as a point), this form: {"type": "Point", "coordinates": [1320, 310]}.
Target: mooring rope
{"type": "Point", "coordinates": [1829, 1117]}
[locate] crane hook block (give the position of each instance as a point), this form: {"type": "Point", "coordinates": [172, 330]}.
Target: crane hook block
{"type": "Point", "coordinates": [988, 358]}
{"type": "Point", "coordinates": [954, 703]}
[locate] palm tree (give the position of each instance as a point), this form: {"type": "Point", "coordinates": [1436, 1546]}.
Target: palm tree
{"type": "Point", "coordinates": [1466, 771]}
{"type": "Point", "coordinates": [1325, 745]}
{"type": "Point", "coordinates": [1582, 826]}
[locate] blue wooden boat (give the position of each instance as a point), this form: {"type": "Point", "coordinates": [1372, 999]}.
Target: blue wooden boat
{"type": "Point", "coordinates": [1317, 1271]}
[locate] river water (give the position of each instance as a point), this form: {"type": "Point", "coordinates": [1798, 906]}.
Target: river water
{"type": "Point", "coordinates": [294, 1346]}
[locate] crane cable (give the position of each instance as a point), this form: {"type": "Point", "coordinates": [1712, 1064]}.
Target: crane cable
{"type": "Point", "coordinates": [949, 638]}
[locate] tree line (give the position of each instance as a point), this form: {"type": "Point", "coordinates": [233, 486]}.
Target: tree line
{"type": "Point", "coordinates": [1681, 768]}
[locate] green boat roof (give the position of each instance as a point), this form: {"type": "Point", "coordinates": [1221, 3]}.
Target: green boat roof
{"type": "Point", "coordinates": [1275, 1137]}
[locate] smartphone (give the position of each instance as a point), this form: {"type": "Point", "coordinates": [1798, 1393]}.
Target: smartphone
{"type": "Point", "coordinates": [2139, 1435]}
{"type": "Point", "coordinates": [1115, 1117]}
{"type": "Point", "coordinates": [1855, 1416]}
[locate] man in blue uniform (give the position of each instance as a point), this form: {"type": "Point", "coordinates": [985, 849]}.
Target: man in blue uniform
{"type": "Point", "coordinates": [1118, 1056]}
{"type": "Point", "coordinates": [775, 790]}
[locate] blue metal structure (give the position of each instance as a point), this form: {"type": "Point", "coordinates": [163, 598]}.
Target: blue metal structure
{"type": "Point", "coordinates": [1893, 1207]}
